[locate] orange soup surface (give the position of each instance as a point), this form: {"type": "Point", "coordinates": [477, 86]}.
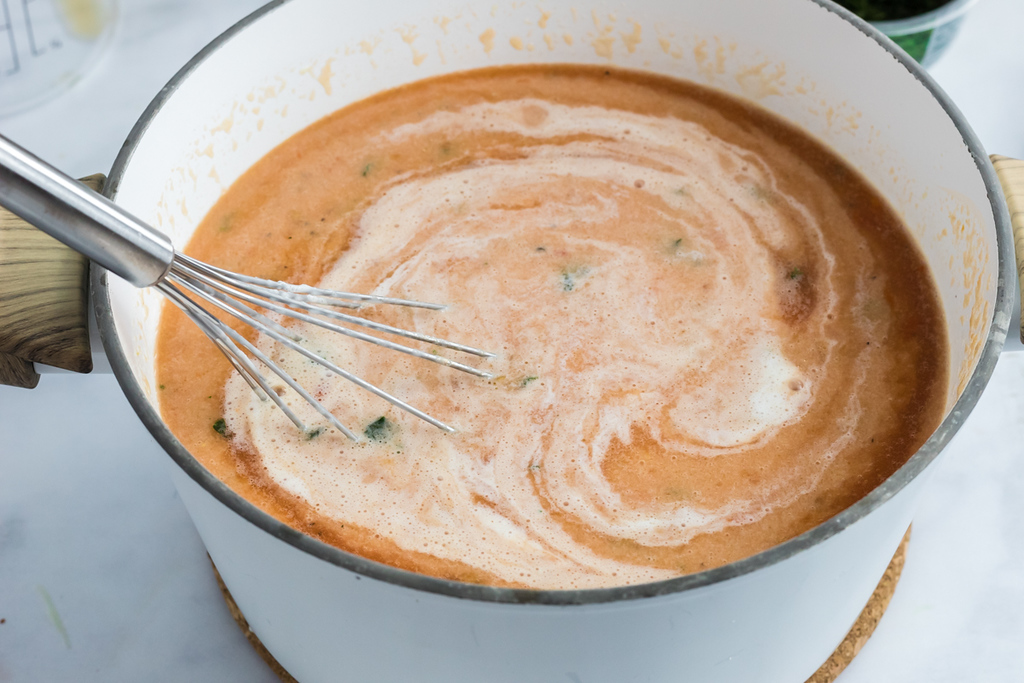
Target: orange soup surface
{"type": "Point", "coordinates": [711, 333]}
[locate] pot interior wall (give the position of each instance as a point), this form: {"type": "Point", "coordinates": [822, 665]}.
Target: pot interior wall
{"type": "Point", "coordinates": [300, 61]}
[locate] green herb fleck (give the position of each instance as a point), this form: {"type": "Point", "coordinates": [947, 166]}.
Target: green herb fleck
{"type": "Point", "coordinates": [682, 192]}
{"type": "Point", "coordinates": [221, 427]}
{"type": "Point", "coordinates": [366, 169]}
{"type": "Point", "coordinates": [534, 467]}
{"type": "Point", "coordinates": [226, 223]}
{"type": "Point", "coordinates": [570, 276]}
{"type": "Point", "coordinates": [796, 273]}
{"type": "Point", "coordinates": [313, 433]}
{"type": "Point", "coordinates": [446, 149]}
{"type": "Point", "coordinates": [51, 611]}
{"type": "Point", "coordinates": [541, 249]}
{"type": "Point", "coordinates": [379, 430]}
{"type": "Point", "coordinates": [676, 493]}
{"type": "Point", "coordinates": [526, 380]}
{"type": "Point", "coordinates": [762, 193]}
{"type": "Point", "coordinates": [162, 387]}
{"type": "Point", "coordinates": [678, 245]}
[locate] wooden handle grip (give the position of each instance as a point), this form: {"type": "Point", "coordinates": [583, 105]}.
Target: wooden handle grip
{"type": "Point", "coordinates": [1011, 177]}
{"type": "Point", "coordinates": [44, 289]}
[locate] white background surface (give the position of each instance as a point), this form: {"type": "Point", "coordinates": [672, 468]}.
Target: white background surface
{"type": "Point", "coordinates": [90, 522]}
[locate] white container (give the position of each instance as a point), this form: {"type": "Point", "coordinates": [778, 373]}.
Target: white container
{"type": "Point", "coordinates": [327, 615]}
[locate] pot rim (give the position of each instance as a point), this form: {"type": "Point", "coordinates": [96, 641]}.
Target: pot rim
{"type": "Point", "coordinates": [375, 570]}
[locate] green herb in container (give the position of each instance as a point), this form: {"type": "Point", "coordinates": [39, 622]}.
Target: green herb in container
{"type": "Point", "coordinates": [923, 28]}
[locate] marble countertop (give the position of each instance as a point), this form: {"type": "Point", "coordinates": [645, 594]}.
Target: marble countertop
{"type": "Point", "coordinates": [103, 577]}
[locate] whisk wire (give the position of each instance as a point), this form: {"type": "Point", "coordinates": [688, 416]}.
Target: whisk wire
{"type": "Point", "coordinates": [214, 331]}
{"type": "Point", "coordinates": [185, 274]}
{"type": "Point", "coordinates": [222, 301]}
{"type": "Point", "coordinates": [290, 381]}
{"type": "Point", "coordinates": [224, 305]}
{"type": "Point", "coordinates": [227, 282]}
{"type": "Point", "coordinates": [344, 299]}
{"type": "Point", "coordinates": [227, 340]}
{"type": "Point", "coordinates": [393, 400]}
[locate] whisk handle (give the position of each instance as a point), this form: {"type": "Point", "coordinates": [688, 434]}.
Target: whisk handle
{"type": "Point", "coordinates": [84, 220]}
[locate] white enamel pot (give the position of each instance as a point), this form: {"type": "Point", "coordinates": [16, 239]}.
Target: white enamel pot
{"type": "Point", "coordinates": [327, 615]}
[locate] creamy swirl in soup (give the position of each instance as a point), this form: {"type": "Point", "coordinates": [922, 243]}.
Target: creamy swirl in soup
{"type": "Point", "coordinates": [711, 333]}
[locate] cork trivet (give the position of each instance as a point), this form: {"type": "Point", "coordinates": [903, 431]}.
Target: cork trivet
{"type": "Point", "coordinates": [867, 621]}
{"type": "Point", "coordinates": [239, 618]}
{"type": "Point", "coordinates": [829, 671]}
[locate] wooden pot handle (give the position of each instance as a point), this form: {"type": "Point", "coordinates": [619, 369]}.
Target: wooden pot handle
{"type": "Point", "coordinates": [1011, 177]}
{"type": "Point", "coordinates": [44, 292]}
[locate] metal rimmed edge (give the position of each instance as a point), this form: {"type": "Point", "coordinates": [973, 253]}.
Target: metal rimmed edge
{"type": "Point", "coordinates": [889, 488]}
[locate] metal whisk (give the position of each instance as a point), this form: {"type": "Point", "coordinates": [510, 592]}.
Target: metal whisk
{"type": "Point", "coordinates": [107, 234]}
